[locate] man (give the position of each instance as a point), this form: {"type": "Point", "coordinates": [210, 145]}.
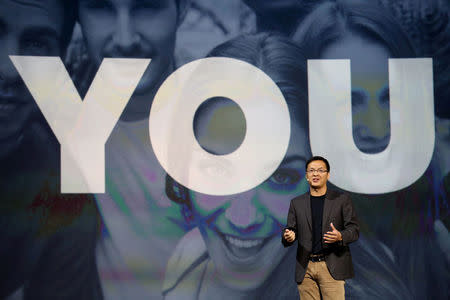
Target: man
{"type": "Point", "coordinates": [47, 244]}
{"type": "Point", "coordinates": [135, 204]}
{"type": "Point", "coordinates": [134, 29]}
{"type": "Point", "coordinates": [324, 223]}
{"type": "Point", "coordinates": [36, 28]}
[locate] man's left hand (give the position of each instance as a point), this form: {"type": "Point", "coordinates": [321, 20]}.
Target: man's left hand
{"type": "Point", "coordinates": [332, 236]}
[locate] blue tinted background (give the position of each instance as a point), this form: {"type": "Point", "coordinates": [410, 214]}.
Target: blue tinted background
{"type": "Point", "coordinates": [150, 237]}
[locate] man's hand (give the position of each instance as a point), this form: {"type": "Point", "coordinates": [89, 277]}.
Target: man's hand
{"type": "Point", "coordinates": [289, 235]}
{"type": "Point", "coordinates": [332, 236]}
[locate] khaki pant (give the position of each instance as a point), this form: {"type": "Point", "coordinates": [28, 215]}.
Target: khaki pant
{"type": "Point", "coordinates": [318, 281]}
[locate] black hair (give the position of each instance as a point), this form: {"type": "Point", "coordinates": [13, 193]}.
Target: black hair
{"type": "Point", "coordinates": [314, 158]}
{"type": "Point", "coordinates": [330, 21]}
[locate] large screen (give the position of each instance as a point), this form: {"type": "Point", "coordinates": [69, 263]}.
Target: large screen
{"type": "Point", "coordinates": [150, 149]}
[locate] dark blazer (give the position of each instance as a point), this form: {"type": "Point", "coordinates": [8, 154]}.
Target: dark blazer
{"type": "Point", "coordinates": [338, 209]}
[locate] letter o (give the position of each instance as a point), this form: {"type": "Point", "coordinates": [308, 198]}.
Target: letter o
{"type": "Point", "coordinates": [172, 134]}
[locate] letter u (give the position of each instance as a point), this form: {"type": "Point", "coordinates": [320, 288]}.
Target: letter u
{"type": "Point", "coordinates": [412, 126]}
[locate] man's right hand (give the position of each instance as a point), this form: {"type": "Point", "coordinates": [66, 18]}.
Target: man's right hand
{"type": "Point", "coordinates": [289, 235]}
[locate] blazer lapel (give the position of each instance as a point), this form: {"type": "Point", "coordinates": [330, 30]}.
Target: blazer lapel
{"type": "Point", "coordinates": [327, 207]}
{"type": "Point", "coordinates": [308, 210]}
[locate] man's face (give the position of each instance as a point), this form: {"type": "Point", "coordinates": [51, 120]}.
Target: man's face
{"type": "Point", "coordinates": [26, 28]}
{"type": "Point", "coordinates": [317, 174]}
{"type": "Point", "coordinates": [370, 90]}
{"type": "Point", "coordinates": [132, 29]}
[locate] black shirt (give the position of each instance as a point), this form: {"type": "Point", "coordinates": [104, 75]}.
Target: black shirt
{"type": "Point", "coordinates": [317, 214]}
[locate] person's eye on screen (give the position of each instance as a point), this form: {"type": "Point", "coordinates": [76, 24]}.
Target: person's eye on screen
{"type": "Point", "coordinates": [140, 5]}
{"type": "Point", "coordinates": [215, 168]}
{"type": "Point", "coordinates": [284, 179]}
{"type": "Point", "coordinates": [35, 46]}
{"type": "Point", "coordinates": [358, 97]}
{"type": "Point", "coordinates": [384, 97]}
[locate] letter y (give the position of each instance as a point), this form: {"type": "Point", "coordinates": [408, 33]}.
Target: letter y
{"type": "Point", "coordinates": [82, 127]}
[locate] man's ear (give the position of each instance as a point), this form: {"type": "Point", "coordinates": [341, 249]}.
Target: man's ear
{"type": "Point", "coordinates": [183, 6]}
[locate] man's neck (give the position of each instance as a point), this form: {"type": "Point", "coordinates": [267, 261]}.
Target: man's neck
{"type": "Point", "coordinates": [317, 192]}
{"type": "Point", "coordinates": [138, 107]}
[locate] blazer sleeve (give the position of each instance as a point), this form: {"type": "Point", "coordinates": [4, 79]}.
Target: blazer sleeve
{"type": "Point", "coordinates": [291, 224]}
{"type": "Point", "coordinates": [351, 225]}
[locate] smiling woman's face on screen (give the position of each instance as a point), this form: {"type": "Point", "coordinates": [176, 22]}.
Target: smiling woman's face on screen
{"type": "Point", "coordinates": [242, 231]}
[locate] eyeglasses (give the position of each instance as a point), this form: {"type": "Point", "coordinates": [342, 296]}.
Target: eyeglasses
{"type": "Point", "coordinates": [320, 171]}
